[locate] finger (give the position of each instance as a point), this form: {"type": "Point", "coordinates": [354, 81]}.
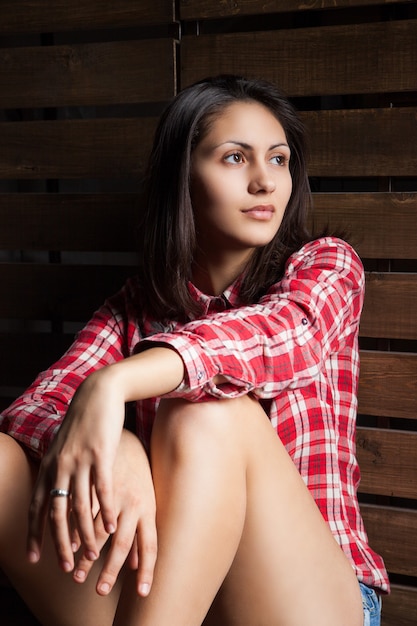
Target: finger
{"type": "Point", "coordinates": [37, 518]}
{"type": "Point", "coordinates": [147, 553]}
{"type": "Point", "coordinates": [145, 541]}
{"type": "Point", "coordinates": [133, 558]}
{"type": "Point", "coordinates": [59, 514]}
{"type": "Point", "coordinates": [119, 550]}
{"type": "Point", "coordinates": [103, 484]}
{"type": "Point", "coordinates": [83, 515]}
{"type": "Point", "coordinates": [75, 537]}
{"type": "Point", "coordinates": [84, 565]}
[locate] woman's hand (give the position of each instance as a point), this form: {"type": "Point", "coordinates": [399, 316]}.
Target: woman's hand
{"type": "Point", "coordinates": [135, 538]}
{"type": "Point", "coordinates": [80, 458]}
{"type": "Point", "coordinates": [81, 461]}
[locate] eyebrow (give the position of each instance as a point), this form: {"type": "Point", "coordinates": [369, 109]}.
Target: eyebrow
{"type": "Point", "coordinates": [247, 146]}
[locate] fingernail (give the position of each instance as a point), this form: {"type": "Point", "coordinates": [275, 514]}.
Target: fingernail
{"type": "Point", "coordinates": [79, 574]}
{"type": "Point", "coordinates": [33, 557]}
{"type": "Point", "coordinates": [104, 588]}
{"type": "Point", "coordinates": [144, 589]}
{"type": "Point", "coordinates": [74, 546]}
{"type": "Point", "coordinates": [90, 555]}
{"type": "Point", "coordinates": [66, 566]}
{"type": "Point", "coordinates": [111, 529]}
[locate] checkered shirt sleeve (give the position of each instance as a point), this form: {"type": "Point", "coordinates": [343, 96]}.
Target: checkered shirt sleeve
{"type": "Point", "coordinates": [284, 340]}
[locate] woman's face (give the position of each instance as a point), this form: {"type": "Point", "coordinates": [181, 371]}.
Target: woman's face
{"type": "Point", "coordinates": [240, 181]}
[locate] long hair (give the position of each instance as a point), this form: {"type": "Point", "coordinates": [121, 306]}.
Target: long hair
{"type": "Point", "coordinates": [168, 230]}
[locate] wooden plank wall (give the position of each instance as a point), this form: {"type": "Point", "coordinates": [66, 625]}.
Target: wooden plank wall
{"type": "Point", "coordinates": [81, 86]}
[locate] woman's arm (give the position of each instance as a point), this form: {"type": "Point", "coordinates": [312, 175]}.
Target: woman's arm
{"type": "Point", "coordinates": [149, 374]}
{"type": "Point", "coordinates": [282, 341]}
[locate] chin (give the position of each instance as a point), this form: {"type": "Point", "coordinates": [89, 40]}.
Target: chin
{"type": "Point", "coordinates": [262, 242]}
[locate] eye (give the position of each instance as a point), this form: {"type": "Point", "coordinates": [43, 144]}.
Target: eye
{"type": "Point", "coordinates": [279, 159]}
{"type": "Point", "coordinates": [235, 157]}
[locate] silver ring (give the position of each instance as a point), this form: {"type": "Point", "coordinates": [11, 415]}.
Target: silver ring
{"type": "Point", "coordinates": [59, 493]}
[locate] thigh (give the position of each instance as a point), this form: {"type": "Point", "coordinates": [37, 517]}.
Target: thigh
{"type": "Point", "coordinates": [288, 569]}
{"type": "Point", "coordinates": [52, 595]}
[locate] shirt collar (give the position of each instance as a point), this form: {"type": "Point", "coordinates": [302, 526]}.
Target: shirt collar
{"type": "Point", "coordinates": [227, 300]}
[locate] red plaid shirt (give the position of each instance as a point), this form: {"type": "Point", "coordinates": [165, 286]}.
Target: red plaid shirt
{"type": "Point", "coordinates": [295, 350]}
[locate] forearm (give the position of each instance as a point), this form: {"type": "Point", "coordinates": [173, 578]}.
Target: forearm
{"type": "Point", "coordinates": [149, 374]}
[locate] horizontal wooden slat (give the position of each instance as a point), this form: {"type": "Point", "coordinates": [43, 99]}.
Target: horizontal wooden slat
{"type": "Point", "coordinates": [381, 225]}
{"type": "Point", "coordinates": [70, 292]}
{"type": "Point", "coordinates": [388, 462]}
{"type": "Point", "coordinates": [400, 607]}
{"type": "Point", "coordinates": [388, 384]}
{"type": "Point", "coordinates": [390, 306]}
{"type": "Point", "coordinates": [90, 74]}
{"type": "Point", "coordinates": [192, 10]}
{"type": "Point", "coordinates": [392, 533]}
{"type": "Point", "coordinates": [26, 354]}
{"type": "Point", "coordinates": [108, 221]}
{"type": "Point", "coordinates": [370, 142]}
{"type": "Point", "coordinates": [352, 59]}
{"type": "Point", "coordinates": [344, 143]}
{"type": "Point", "coordinates": [37, 16]}
{"type": "Point", "coordinates": [99, 148]}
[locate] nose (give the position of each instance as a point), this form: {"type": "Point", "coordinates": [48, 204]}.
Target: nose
{"type": "Point", "coordinates": [261, 179]}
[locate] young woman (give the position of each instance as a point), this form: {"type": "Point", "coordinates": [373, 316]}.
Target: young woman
{"type": "Point", "coordinates": [234, 499]}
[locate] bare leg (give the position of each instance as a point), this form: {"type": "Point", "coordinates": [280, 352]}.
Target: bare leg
{"type": "Point", "coordinates": [52, 595]}
{"type": "Point", "coordinates": [186, 500]}
{"type": "Point", "coordinates": [232, 507]}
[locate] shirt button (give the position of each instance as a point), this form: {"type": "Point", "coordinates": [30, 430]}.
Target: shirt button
{"type": "Point", "coordinates": [304, 321]}
{"type": "Point", "coordinates": [200, 375]}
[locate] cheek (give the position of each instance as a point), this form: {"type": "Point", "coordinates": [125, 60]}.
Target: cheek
{"type": "Point", "coordinates": [289, 181]}
{"type": "Point", "coordinates": [206, 199]}
{"type": "Point", "coordinates": [286, 188]}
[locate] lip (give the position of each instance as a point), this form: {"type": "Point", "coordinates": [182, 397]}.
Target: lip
{"type": "Point", "coordinates": [260, 212]}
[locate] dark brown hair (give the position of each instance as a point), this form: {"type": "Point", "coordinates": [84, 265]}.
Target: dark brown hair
{"type": "Point", "coordinates": [168, 231]}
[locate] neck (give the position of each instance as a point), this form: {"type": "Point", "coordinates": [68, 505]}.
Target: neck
{"type": "Point", "coordinates": [213, 275]}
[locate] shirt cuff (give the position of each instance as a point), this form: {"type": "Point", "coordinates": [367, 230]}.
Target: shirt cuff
{"type": "Point", "coordinates": [200, 370]}
{"type": "Point", "coordinates": [33, 424]}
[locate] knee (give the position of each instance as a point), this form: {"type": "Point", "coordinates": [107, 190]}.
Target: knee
{"type": "Point", "coordinates": [182, 425]}
{"type": "Point", "coordinates": [191, 428]}
{"type": "Point", "coordinates": [16, 479]}
{"type": "Point", "coordinates": [11, 450]}
{"type": "Point", "coordinates": [11, 456]}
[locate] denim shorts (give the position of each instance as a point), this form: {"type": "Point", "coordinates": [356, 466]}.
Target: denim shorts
{"type": "Point", "coordinates": [371, 602]}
